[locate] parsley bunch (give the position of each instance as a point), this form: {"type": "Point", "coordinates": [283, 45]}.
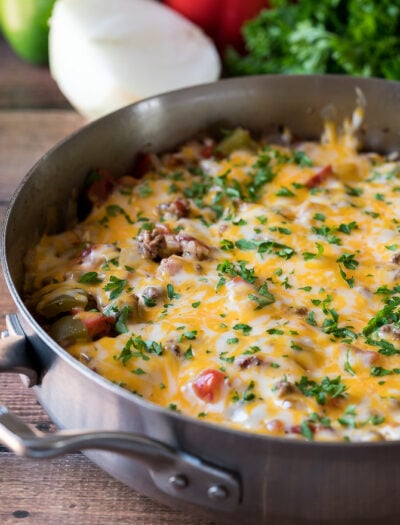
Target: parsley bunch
{"type": "Point", "coordinates": [357, 37]}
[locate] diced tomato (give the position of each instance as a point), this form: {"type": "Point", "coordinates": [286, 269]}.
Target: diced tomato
{"type": "Point", "coordinates": [143, 164]}
{"type": "Point", "coordinates": [207, 151]}
{"type": "Point", "coordinates": [317, 179]}
{"type": "Point", "coordinates": [208, 384]}
{"type": "Point", "coordinates": [97, 324]}
{"type": "Point", "coordinates": [296, 429]}
{"type": "Point", "coordinates": [100, 187]}
{"type": "Point", "coordinates": [182, 207]}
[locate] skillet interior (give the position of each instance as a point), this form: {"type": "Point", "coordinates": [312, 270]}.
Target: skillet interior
{"type": "Point", "coordinates": [161, 123]}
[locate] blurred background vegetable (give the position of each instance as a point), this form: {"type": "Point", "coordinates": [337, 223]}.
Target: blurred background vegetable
{"type": "Point", "coordinates": [104, 55]}
{"type": "Point", "coordinates": [357, 37]}
{"type": "Point", "coordinates": [221, 19]}
{"type": "Point", "coordinates": [25, 27]}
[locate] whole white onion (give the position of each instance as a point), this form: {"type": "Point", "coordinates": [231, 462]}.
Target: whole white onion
{"type": "Point", "coordinates": [106, 54]}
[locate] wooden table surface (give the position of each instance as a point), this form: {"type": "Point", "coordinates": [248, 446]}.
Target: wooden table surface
{"type": "Point", "coordinates": [70, 490]}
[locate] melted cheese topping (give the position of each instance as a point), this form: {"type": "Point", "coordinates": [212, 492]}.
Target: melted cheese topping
{"type": "Point", "coordinates": [274, 267]}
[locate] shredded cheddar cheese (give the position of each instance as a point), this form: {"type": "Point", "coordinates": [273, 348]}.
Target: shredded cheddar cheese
{"type": "Point", "coordinates": [250, 284]}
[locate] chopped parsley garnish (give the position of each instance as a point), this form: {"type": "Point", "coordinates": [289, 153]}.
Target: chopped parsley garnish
{"type": "Point", "coordinates": [309, 255]}
{"type": "Point", "coordinates": [275, 331]}
{"type": "Point", "coordinates": [379, 371]}
{"type": "Point", "coordinates": [252, 350]}
{"type": "Point", "coordinates": [226, 244]}
{"type": "Point", "coordinates": [245, 328]}
{"type": "Point", "coordinates": [149, 302]}
{"type": "Point", "coordinates": [348, 261]}
{"type": "Point", "coordinates": [138, 371]}
{"type": "Point", "coordinates": [311, 319]}
{"type": "Point", "coordinates": [238, 269]}
{"type": "Point", "coordinates": [265, 247]}
{"type": "Point", "coordinates": [248, 394]}
{"type": "Point", "coordinates": [90, 278]}
{"type": "Point", "coordinates": [136, 346]}
{"type": "Point", "coordinates": [227, 359]}
{"type": "Point", "coordinates": [171, 292]}
{"type": "Point", "coordinates": [120, 325]}
{"type": "Point", "coordinates": [113, 210]}
{"type": "Point", "coordinates": [384, 290]}
{"type": "Point", "coordinates": [261, 175]}
{"type": "Point", "coordinates": [239, 222]}
{"type": "Point", "coordinates": [284, 192]}
{"type": "Point", "coordinates": [302, 159]}
{"type": "Point", "coordinates": [353, 192]}
{"type": "Point", "coordinates": [348, 228]}
{"type": "Point", "coordinates": [263, 297]}
{"type": "Point", "coordinates": [115, 286]}
{"type": "Point", "coordinates": [330, 326]}
{"type": "Point", "coordinates": [189, 353]}
{"type": "Point", "coordinates": [349, 280]}
{"type": "Point", "coordinates": [372, 214]}
{"type": "Point", "coordinates": [244, 244]}
{"type": "Point", "coordinates": [390, 313]}
{"type": "Point", "coordinates": [280, 229]}
{"type": "Point", "coordinates": [144, 190]}
{"type": "Point", "coordinates": [306, 430]}
{"type": "Point", "coordinates": [349, 417]}
{"type": "Point", "coordinates": [347, 366]}
{"type": "Point", "coordinates": [385, 347]}
{"type": "Point", "coordinates": [328, 233]}
{"type": "Point", "coordinates": [191, 334]}
{"type": "Point", "coordinates": [281, 250]}
{"type": "Point", "coordinates": [114, 261]}
{"type": "Point", "coordinates": [324, 391]}
{"type": "Point", "coordinates": [377, 420]}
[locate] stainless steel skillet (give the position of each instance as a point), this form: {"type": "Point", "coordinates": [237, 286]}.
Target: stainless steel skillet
{"type": "Point", "coordinates": [228, 475]}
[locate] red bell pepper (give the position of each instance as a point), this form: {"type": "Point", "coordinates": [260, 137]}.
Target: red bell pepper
{"type": "Point", "coordinates": [221, 19]}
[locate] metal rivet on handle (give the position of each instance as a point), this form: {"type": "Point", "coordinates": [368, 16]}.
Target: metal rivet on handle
{"type": "Point", "coordinates": [217, 493]}
{"type": "Point", "coordinates": [178, 481]}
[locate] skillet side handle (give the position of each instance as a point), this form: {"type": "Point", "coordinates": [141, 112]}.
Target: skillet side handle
{"type": "Point", "coordinates": [174, 472]}
{"type": "Point", "coordinates": [14, 356]}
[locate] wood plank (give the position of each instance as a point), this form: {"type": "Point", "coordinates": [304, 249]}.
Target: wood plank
{"type": "Point", "coordinates": [25, 136]}
{"type": "Point", "coordinates": [25, 86]}
{"type": "Point", "coordinates": [93, 497]}
{"type": "Point", "coordinates": [69, 490]}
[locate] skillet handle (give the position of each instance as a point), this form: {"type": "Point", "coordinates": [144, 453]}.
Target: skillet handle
{"type": "Point", "coordinates": [174, 472]}
{"type": "Point", "coordinates": [14, 356]}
